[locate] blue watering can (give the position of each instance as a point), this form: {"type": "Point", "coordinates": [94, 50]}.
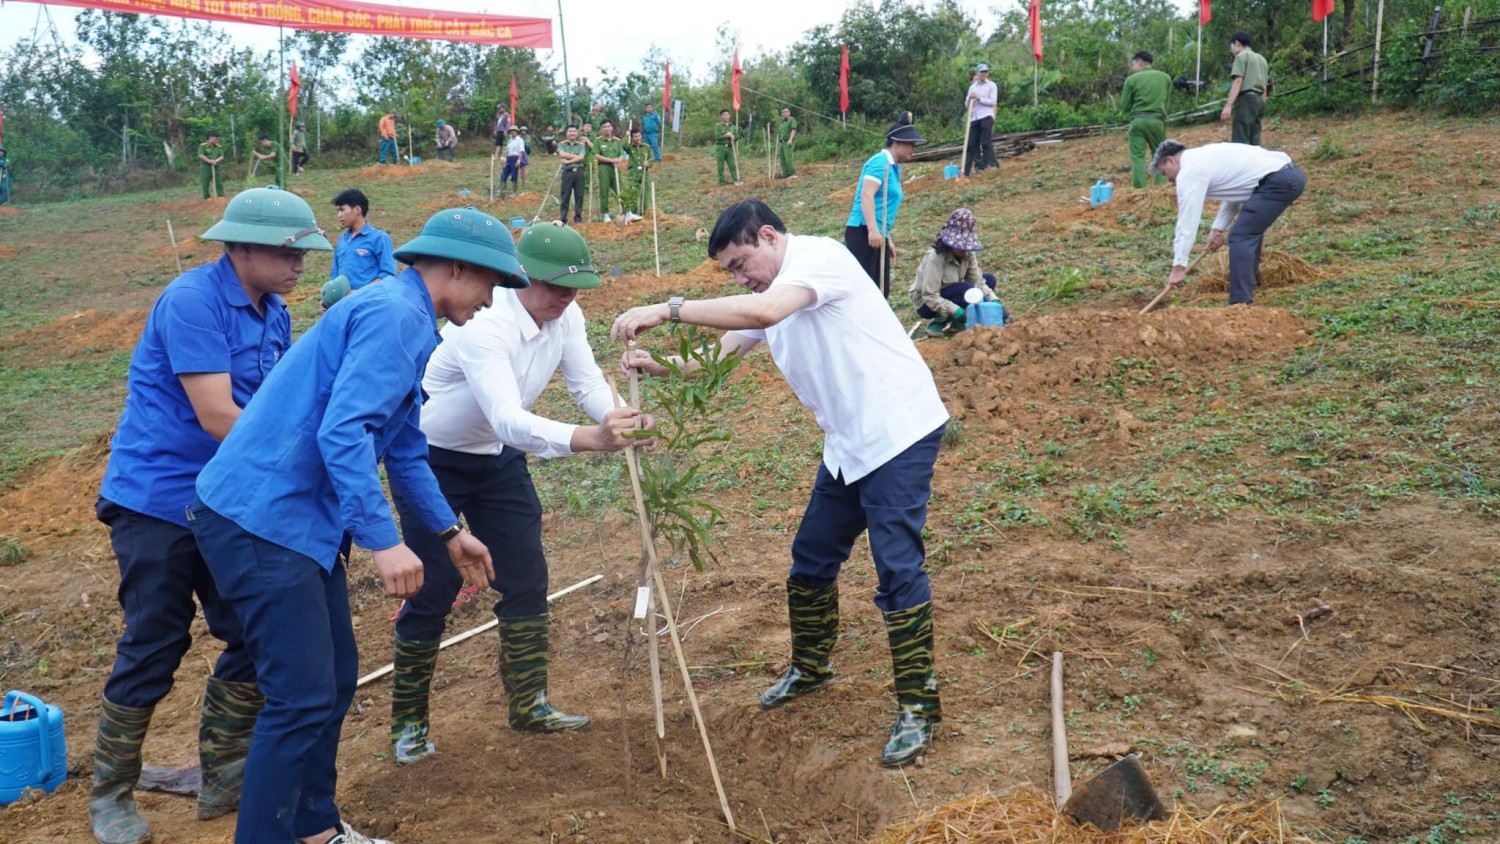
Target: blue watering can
{"type": "Point", "coordinates": [1101, 192]}
{"type": "Point", "coordinates": [33, 752]}
{"type": "Point", "coordinates": [519, 222]}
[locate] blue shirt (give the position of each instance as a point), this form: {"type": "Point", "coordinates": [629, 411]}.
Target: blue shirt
{"type": "Point", "coordinates": [883, 169]}
{"type": "Point", "coordinates": [363, 257]}
{"type": "Point", "coordinates": [299, 468]}
{"type": "Point", "coordinates": [203, 322]}
{"type": "Point", "coordinates": [651, 124]}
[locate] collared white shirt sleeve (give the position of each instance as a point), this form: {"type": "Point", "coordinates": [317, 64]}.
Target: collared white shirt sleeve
{"type": "Point", "coordinates": [579, 368]}
{"type": "Point", "coordinates": [1229, 173]}
{"type": "Point", "coordinates": [1192, 189]}
{"type": "Point", "coordinates": [491, 372]}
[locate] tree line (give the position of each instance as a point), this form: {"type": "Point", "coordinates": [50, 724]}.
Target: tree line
{"type": "Point", "coordinates": [111, 111]}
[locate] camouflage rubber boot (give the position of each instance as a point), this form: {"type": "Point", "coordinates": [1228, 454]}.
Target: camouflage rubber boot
{"type": "Point", "coordinates": [523, 669]}
{"type": "Point", "coordinates": [117, 767]}
{"type": "Point", "coordinates": [814, 615]}
{"type": "Point", "coordinates": [410, 686]}
{"type": "Point", "coordinates": [910, 633]}
{"type": "Point", "coordinates": [229, 713]}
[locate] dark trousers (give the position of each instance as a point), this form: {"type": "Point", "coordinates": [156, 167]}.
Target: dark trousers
{"type": "Point", "coordinates": [857, 238]}
{"type": "Point", "coordinates": [388, 147]}
{"type": "Point", "coordinates": [160, 571]}
{"type": "Point", "coordinates": [1274, 195]}
{"type": "Point", "coordinates": [955, 294]}
{"type": "Point", "coordinates": [298, 631]}
{"type": "Point", "coordinates": [980, 144]}
{"type": "Point", "coordinates": [891, 502]}
{"type": "Point", "coordinates": [572, 189]}
{"type": "Point", "coordinates": [299, 161]}
{"type": "Point", "coordinates": [1245, 117]}
{"type": "Point", "coordinates": [497, 499]}
{"type": "Point", "coordinates": [511, 171]}
{"type": "Point", "coordinates": [445, 153]}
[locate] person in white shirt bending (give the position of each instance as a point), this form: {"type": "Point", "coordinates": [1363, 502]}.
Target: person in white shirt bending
{"type": "Point", "coordinates": [847, 358]}
{"type": "Point", "coordinates": [481, 383]}
{"type": "Point", "coordinates": [980, 103]}
{"type": "Point", "coordinates": [1253, 186]}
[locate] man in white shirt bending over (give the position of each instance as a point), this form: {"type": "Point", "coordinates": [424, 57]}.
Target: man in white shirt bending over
{"type": "Point", "coordinates": [981, 99]}
{"type": "Point", "coordinates": [847, 358]}
{"type": "Point", "coordinates": [481, 383]}
{"type": "Point", "coordinates": [1253, 186]}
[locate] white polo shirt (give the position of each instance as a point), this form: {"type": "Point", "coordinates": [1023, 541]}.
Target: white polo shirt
{"type": "Point", "coordinates": [1228, 173]}
{"type": "Point", "coordinates": [485, 375]}
{"type": "Point", "coordinates": [849, 361]}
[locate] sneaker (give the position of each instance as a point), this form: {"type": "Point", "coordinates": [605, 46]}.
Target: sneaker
{"type": "Point", "coordinates": [738, 182]}
{"type": "Point", "coordinates": [631, 217]}
{"type": "Point", "coordinates": [347, 835]}
{"type": "Point", "coordinates": [793, 176]}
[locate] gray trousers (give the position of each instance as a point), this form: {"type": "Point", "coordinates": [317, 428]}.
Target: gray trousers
{"type": "Point", "coordinates": [1274, 195]}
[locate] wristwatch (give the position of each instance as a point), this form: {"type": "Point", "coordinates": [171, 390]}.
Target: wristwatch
{"type": "Point", "coordinates": [674, 308]}
{"type": "Point", "coordinates": [452, 532]}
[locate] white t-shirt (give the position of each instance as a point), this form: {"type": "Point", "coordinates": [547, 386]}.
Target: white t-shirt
{"type": "Point", "coordinates": [515, 146]}
{"type": "Point", "coordinates": [1227, 173]}
{"type": "Point", "coordinates": [485, 375]}
{"type": "Point", "coordinates": [849, 361]}
{"type": "Point", "coordinates": [985, 95]}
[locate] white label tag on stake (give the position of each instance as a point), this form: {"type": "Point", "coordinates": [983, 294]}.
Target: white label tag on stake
{"type": "Point", "coordinates": [642, 601]}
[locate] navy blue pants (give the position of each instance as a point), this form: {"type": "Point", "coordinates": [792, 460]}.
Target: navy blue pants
{"type": "Point", "coordinates": [891, 502]}
{"type": "Point", "coordinates": [497, 499]}
{"type": "Point", "coordinates": [160, 571]}
{"type": "Point", "coordinates": [1275, 193]}
{"type": "Point", "coordinates": [298, 631]}
{"type": "Point", "coordinates": [955, 294]}
{"type": "Point", "coordinates": [511, 172]}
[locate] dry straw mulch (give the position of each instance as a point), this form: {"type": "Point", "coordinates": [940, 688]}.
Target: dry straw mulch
{"type": "Point", "coordinates": [1028, 817]}
{"type": "Point", "coordinates": [1277, 269]}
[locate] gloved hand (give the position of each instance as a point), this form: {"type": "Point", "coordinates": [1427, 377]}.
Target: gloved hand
{"type": "Point", "coordinates": [956, 323]}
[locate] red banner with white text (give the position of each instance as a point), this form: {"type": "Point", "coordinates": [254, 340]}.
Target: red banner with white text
{"type": "Point", "coordinates": [344, 16]}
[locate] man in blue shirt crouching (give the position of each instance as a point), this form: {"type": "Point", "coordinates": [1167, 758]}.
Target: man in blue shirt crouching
{"type": "Point", "coordinates": [297, 481]}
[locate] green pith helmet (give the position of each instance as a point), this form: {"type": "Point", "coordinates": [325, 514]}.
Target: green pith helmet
{"type": "Point", "coordinates": [334, 291]}
{"type": "Point", "coordinates": [269, 217]}
{"type": "Point", "coordinates": [471, 236]}
{"type": "Point", "coordinates": [440, 123]}
{"type": "Point", "coordinates": [557, 255]}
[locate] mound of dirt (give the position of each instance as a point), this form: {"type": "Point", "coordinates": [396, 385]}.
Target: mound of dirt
{"type": "Point", "coordinates": [56, 499]}
{"type": "Point", "coordinates": [1277, 269]}
{"type": "Point", "coordinates": [81, 333]}
{"type": "Point", "coordinates": [998, 377]}
{"type": "Point", "coordinates": [9, 211]}
{"type": "Point", "coordinates": [391, 171]}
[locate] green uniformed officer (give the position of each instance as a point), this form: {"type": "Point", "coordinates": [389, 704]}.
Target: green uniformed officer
{"type": "Point", "coordinates": [586, 135]}
{"type": "Point", "coordinates": [210, 156]}
{"type": "Point", "coordinates": [609, 152]}
{"type": "Point", "coordinates": [786, 133]}
{"type": "Point", "coordinates": [640, 167]}
{"type": "Point", "coordinates": [1144, 100]}
{"type": "Point", "coordinates": [574, 158]}
{"type": "Point", "coordinates": [724, 149]}
{"type": "Point", "coordinates": [1247, 103]}
{"type": "Point", "coordinates": [271, 151]}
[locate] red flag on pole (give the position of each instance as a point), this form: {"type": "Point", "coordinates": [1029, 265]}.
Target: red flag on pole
{"type": "Point", "coordinates": [734, 81]}
{"type": "Point", "coordinates": [513, 97]}
{"type": "Point", "coordinates": [844, 81]}
{"type": "Point", "coordinates": [1035, 16]}
{"type": "Point", "coordinates": [1321, 9]}
{"type": "Point", "coordinates": [666, 94]}
{"type": "Point", "coordinates": [292, 89]}
{"type": "Point", "coordinates": [1205, 14]}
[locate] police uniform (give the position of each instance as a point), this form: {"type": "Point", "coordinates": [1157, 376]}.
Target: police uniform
{"type": "Point", "coordinates": [784, 133]}
{"type": "Point", "coordinates": [609, 182]}
{"type": "Point", "coordinates": [208, 174]}
{"type": "Point", "coordinates": [572, 192]}
{"type": "Point", "coordinates": [724, 153]}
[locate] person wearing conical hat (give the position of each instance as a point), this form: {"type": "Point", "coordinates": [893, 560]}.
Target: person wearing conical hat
{"type": "Point", "coordinates": [481, 384]}
{"type": "Point", "coordinates": [949, 270]}
{"type": "Point", "coordinates": [298, 481]}
{"type": "Point", "coordinates": [213, 334]}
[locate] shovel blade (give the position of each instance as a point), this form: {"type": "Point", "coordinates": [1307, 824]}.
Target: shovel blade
{"type": "Point", "coordinates": [1120, 793]}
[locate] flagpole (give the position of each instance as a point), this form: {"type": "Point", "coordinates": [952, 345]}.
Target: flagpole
{"type": "Point", "coordinates": [1325, 48]}
{"type": "Point", "coordinates": [1036, 74]}
{"type": "Point", "coordinates": [1375, 76]}
{"type": "Point", "coordinates": [281, 127]}
{"type": "Point", "coordinates": [562, 33]}
{"type": "Point", "coordinates": [1198, 74]}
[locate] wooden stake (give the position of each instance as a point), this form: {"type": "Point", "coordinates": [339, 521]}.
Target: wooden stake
{"type": "Point", "coordinates": [963, 163]}
{"type": "Point", "coordinates": [175, 253]}
{"type": "Point", "coordinates": [648, 565]}
{"type": "Point", "coordinates": [1062, 781]}
{"type": "Point", "coordinates": [734, 145]}
{"type": "Point", "coordinates": [632, 463]}
{"type": "Point", "coordinates": [885, 244]}
{"type": "Point", "coordinates": [655, 240]}
{"type": "Point", "coordinates": [492, 178]}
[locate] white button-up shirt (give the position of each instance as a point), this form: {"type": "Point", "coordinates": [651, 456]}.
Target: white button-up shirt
{"type": "Point", "coordinates": [1228, 173]}
{"type": "Point", "coordinates": [849, 361]}
{"type": "Point", "coordinates": [485, 375]}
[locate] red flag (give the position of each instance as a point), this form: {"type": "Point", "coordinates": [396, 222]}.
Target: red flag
{"type": "Point", "coordinates": [1205, 14]}
{"type": "Point", "coordinates": [666, 94]}
{"type": "Point", "coordinates": [844, 81]}
{"type": "Point", "coordinates": [292, 89]}
{"type": "Point", "coordinates": [513, 98]}
{"type": "Point", "coordinates": [1035, 16]}
{"type": "Point", "coordinates": [1322, 9]}
{"type": "Point", "coordinates": [734, 81]}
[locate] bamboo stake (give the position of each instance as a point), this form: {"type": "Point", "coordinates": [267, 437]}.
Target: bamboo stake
{"type": "Point", "coordinates": [175, 253]}
{"type": "Point", "coordinates": [469, 634]}
{"type": "Point", "coordinates": [963, 164]}
{"type": "Point", "coordinates": [885, 245]}
{"type": "Point", "coordinates": [1062, 781]}
{"type": "Point", "coordinates": [632, 463]}
{"type": "Point", "coordinates": [546, 195]}
{"type": "Point", "coordinates": [734, 145]}
{"type": "Point", "coordinates": [648, 565]}
{"type": "Point", "coordinates": [492, 178]}
{"type": "Point", "coordinates": [655, 241]}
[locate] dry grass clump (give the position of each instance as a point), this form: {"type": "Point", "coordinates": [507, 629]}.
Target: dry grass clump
{"type": "Point", "coordinates": [1141, 203]}
{"type": "Point", "coordinates": [1277, 269]}
{"type": "Point", "coordinates": [1028, 817]}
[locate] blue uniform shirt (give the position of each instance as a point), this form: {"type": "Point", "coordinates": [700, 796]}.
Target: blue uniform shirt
{"type": "Point", "coordinates": [299, 467]}
{"type": "Point", "coordinates": [881, 168]}
{"type": "Point", "coordinates": [651, 124]}
{"type": "Point", "coordinates": [203, 322]}
{"type": "Point", "coordinates": [363, 257]}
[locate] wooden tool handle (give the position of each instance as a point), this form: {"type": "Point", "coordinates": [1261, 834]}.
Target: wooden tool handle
{"type": "Point", "coordinates": [1062, 780]}
{"type": "Point", "coordinates": [1166, 291]}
